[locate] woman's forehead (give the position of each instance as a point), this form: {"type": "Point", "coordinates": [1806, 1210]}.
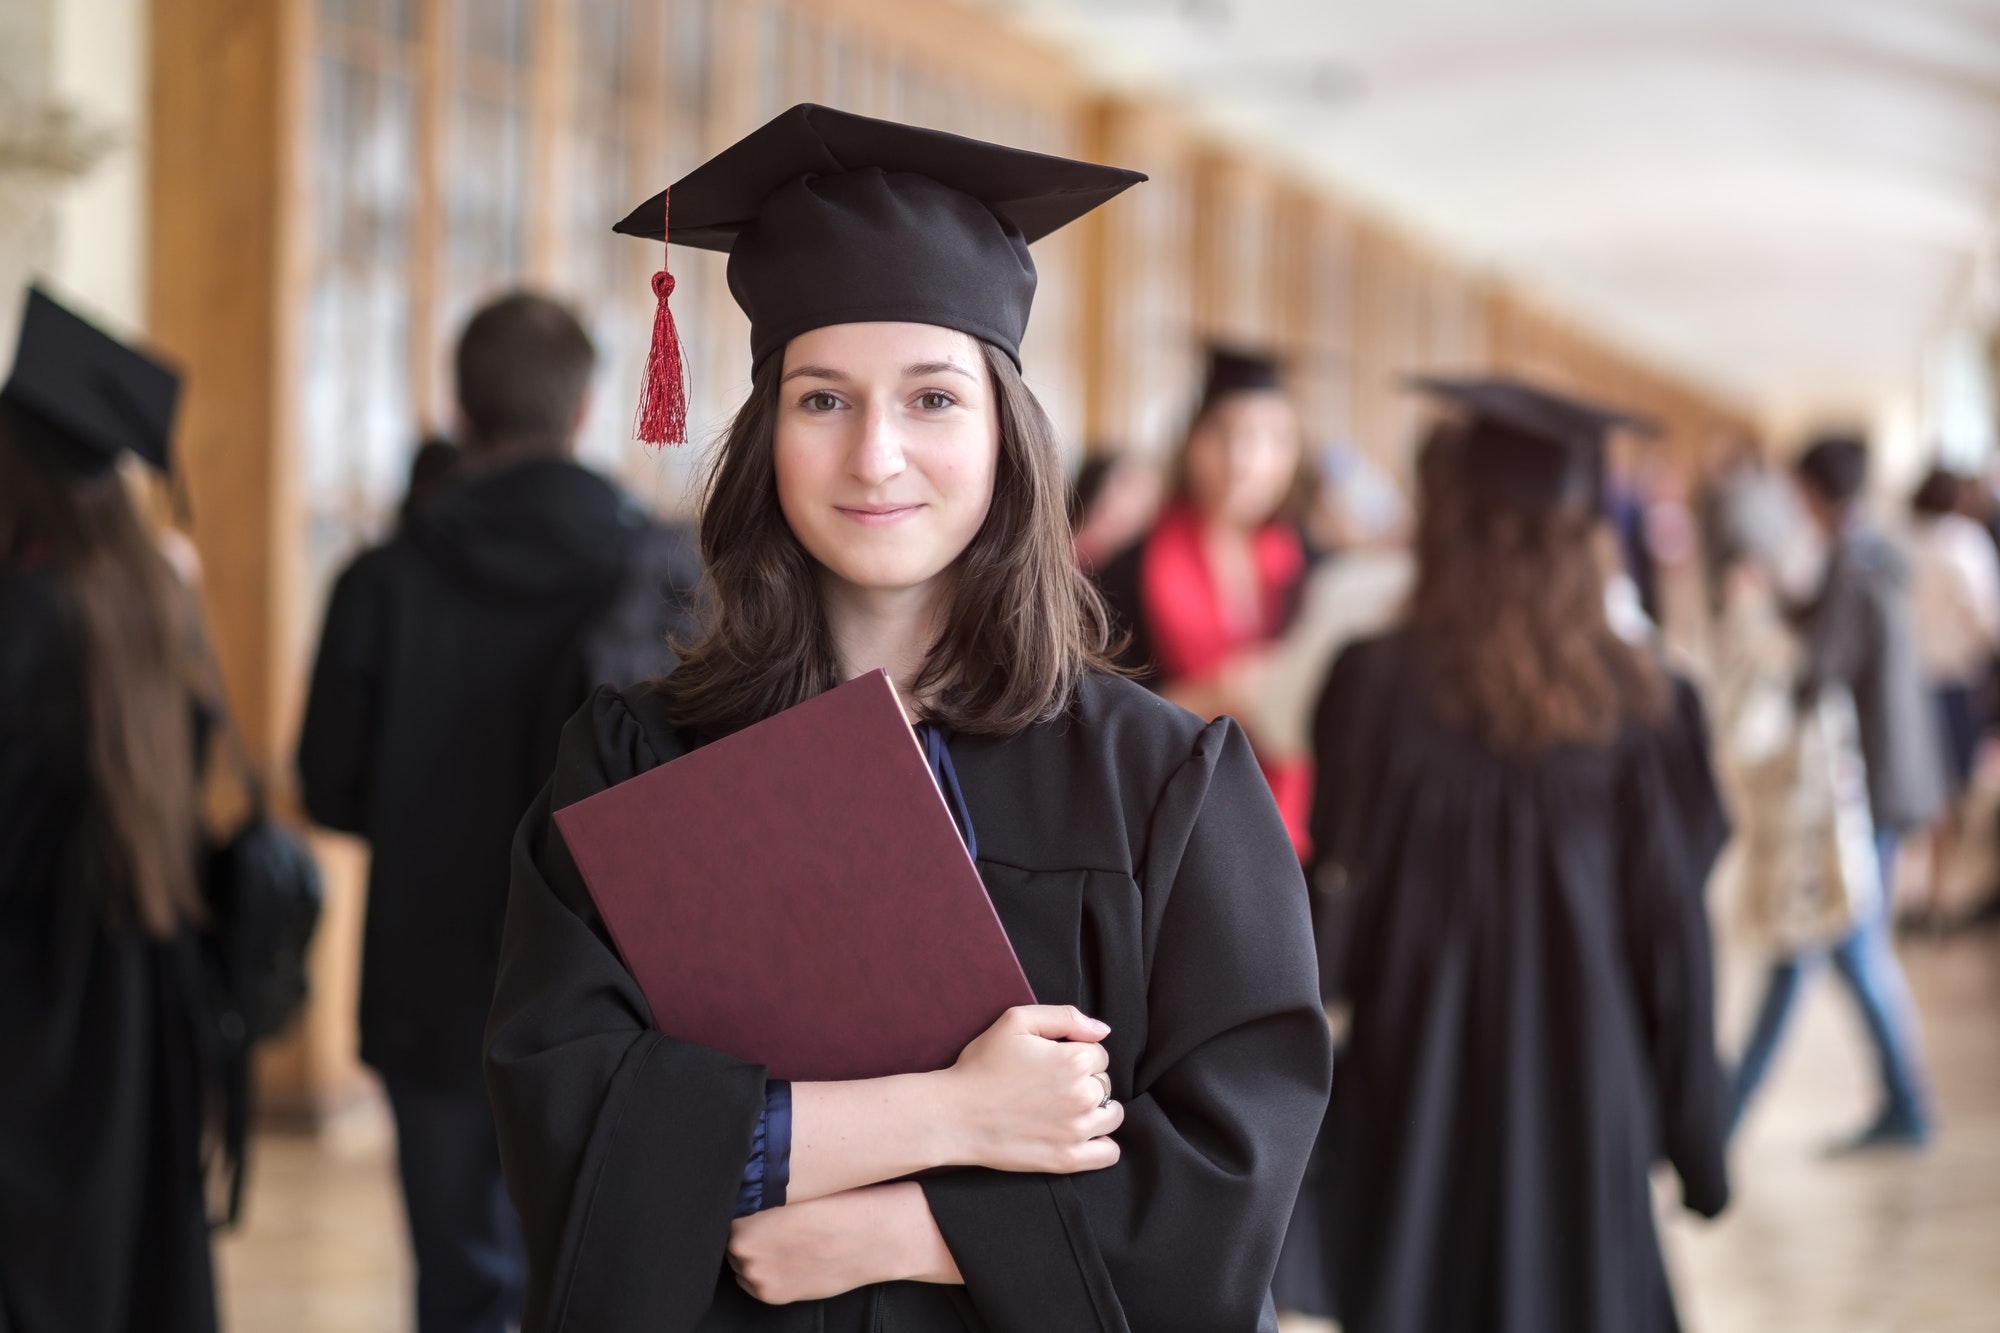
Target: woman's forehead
{"type": "Point", "coordinates": [878, 345]}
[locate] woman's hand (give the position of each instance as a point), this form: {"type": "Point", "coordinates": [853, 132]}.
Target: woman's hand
{"type": "Point", "coordinates": [810, 1251]}
{"type": "Point", "coordinates": [1031, 1094]}
{"type": "Point", "coordinates": [1028, 1094]}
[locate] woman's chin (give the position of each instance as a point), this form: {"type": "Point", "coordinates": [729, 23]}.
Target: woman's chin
{"type": "Point", "coordinates": [882, 578]}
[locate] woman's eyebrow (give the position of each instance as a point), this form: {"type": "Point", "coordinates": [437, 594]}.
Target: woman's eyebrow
{"type": "Point", "coordinates": [814, 373]}
{"type": "Point", "coordinates": [923, 368]}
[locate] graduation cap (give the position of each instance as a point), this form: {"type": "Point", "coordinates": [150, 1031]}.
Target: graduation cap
{"type": "Point", "coordinates": [1527, 444]}
{"type": "Point", "coordinates": [81, 397]}
{"type": "Point", "coordinates": [1237, 370]}
{"type": "Point", "coordinates": [833, 218]}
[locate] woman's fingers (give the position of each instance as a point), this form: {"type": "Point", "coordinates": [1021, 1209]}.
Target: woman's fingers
{"type": "Point", "coordinates": [1056, 1022]}
{"type": "Point", "coordinates": [1089, 1155]}
{"type": "Point", "coordinates": [1088, 1057]}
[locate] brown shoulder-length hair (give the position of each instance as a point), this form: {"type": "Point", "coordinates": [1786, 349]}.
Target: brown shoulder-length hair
{"type": "Point", "coordinates": [127, 619]}
{"type": "Point", "coordinates": [1508, 618]}
{"type": "Point", "coordinates": [1022, 628]}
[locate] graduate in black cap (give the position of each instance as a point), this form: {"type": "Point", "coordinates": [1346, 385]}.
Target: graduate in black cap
{"type": "Point", "coordinates": [1513, 822]}
{"type": "Point", "coordinates": [1121, 1155]}
{"type": "Point", "coordinates": [1215, 584]}
{"type": "Point", "coordinates": [103, 1227]}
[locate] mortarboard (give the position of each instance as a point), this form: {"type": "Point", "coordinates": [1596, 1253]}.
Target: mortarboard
{"type": "Point", "coordinates": [1237, 370]}
{"type": "Point", "coordinates": [82, 397]}
{"type": "Point", "coordinates": [1527, 444]}
{"type": "Point", "coordinates": [833, 218]}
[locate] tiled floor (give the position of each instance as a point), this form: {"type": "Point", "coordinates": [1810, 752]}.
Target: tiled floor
{"type": "Point", "coordinates": [1894, 1242]}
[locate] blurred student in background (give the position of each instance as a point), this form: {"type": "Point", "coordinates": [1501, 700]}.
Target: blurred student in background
{"type": "Point", "coordinates": [1512, 829]}
{"type": "Point", "coordinates": [1215, 583]}
{"type": "Point", "coordinates": [103, 1225]}
{"type": "Point", "coordinates": [428, 730]}
{"type": "Point", "coordinates": [1955, 602]}
{"type": "Point", "coordinates": [1857, 636]}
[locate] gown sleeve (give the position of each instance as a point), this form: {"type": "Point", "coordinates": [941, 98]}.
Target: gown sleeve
{"type": "Point", "coordinates": [1674, 830]}
{"type": "Point", "coordinates": [336, 738]}
{"type": "Point", "coordinates": [1183, 1232]}
{"type": "Point", "coordinates": [624, 1150]}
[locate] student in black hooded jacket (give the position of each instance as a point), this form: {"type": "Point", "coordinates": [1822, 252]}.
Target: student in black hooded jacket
{"type": "Point", "coordinates": [1121, 1155]}
{"type": "Point", "coordinates": [428, 728]}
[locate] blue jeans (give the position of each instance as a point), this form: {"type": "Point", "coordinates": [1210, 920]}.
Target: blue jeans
{"type": "Point", "coordinates": [1867, 962]}
{"type": "Point", "coordinates": [472, 1265]}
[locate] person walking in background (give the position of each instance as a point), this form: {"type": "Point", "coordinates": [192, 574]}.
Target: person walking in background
{"type": "Point", "coordinates": [1513, 825]}
{"type": "Point", "coordinates": [103, 1223]}
{"type": "Point", "coordinates": [1215, 583]}
{"type": "Point", "coordinates": [1857, 634]}
{"type": "Point", "coordinates": [1955, 604]}
{"type": "Point", "coordinates": [428, 730]}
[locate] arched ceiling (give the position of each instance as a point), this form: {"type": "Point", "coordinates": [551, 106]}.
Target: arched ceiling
{"type": "Point", "coordinates": [1791, 199]}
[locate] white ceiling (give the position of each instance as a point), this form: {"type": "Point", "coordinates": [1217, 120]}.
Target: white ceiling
{"type": "Point", "coordinates": [1790, 199]}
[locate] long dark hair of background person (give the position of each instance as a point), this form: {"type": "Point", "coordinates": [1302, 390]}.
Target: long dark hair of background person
{"type": "Point", "coordinates": [126, 617]}
{"type": "Point", "coordinates": [1508, 616]}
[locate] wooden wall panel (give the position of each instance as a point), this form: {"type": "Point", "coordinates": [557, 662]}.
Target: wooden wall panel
{"type": "Point", "coordinates": [1142, 345]}
{"type": "Point", "coordinates": [224, 300]}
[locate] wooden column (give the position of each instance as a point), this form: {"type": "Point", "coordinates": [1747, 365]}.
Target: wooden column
{"type": "Point", "coordinates": [1139, 325]}
{"type": "Point", "coordinates": [1233, 241]}
{"type": "Point", "coordinates": [225, 92]}
{"type": "Point", "coordinates": [229, 194]}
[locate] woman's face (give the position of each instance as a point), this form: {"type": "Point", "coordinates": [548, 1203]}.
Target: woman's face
{"type": "Point", "coordinates": [887, 438]}
{"type": "Point", "coordinates": [1242, 456]}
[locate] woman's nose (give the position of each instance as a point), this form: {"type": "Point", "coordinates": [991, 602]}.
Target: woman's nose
{"type": "Point", "coordinates": [878, 453]}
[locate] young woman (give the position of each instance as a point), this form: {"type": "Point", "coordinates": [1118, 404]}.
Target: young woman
{"type": "Point", "coordinates": [1119, 1156]}
{"type": "Point", "coordinates": [1206, 595]}
{"type": "Point", "coordinates": [1516, 815]}
{"type": "Point", "coordinates": [103, 1227]}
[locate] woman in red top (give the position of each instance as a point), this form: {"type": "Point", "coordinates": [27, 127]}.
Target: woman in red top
{"type": "Point", "coordinates": [1207, 593]}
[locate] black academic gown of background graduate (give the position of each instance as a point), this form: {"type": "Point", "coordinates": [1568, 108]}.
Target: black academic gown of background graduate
{"type": "Point", "coordinates": [1532, 1028]}
{"type": "Point", "coordinates": [102, 1226]}
{"type": "Point", "coordinates": [1136, 860]}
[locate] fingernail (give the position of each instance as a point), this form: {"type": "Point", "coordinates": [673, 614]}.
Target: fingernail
{"type": "Point", "coordinates": [1103, 1028]}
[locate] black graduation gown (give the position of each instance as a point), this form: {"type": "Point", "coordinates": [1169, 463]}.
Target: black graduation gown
{"type": "Point", "coordinates": [1139, 867]}
{"type": "Point", "coordinates": [1528, 965]}
{"type": "Point", "coordinates": [102, 1221]}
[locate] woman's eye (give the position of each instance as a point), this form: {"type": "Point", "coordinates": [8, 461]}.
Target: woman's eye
{"type": "Point", "coordinates": [819, 401]}
{"type": "Point", "coordinates": [935, 400]}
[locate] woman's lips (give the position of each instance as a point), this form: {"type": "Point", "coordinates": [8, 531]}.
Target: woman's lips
{"type": "Point", "coordinates": [878, 516]}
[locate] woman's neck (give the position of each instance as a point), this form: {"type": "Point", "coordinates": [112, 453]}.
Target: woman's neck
{"type": "Point", "coordinates": [883, 630]}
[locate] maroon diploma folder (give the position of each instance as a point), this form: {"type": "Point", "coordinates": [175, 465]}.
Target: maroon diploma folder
{"type": "Point", "coordinates": [797, 895]}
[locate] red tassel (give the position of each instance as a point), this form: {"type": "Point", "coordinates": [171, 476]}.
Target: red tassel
{"type": "Point", "coordinates": [663, 403]}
